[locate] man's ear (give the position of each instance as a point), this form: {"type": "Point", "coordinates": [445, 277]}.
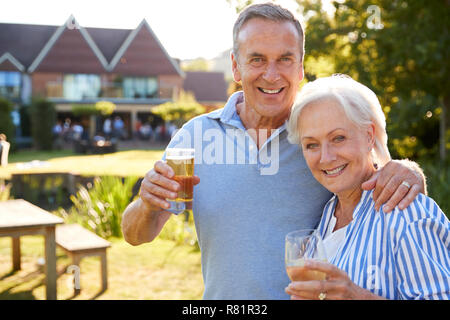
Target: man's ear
{"type": "Point", "coordinates": [302, 72]}
{"type": "Point", "coordinates": [235, 68]}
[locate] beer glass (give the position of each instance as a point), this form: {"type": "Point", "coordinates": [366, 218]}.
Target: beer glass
{"type": "Point", "coordinates": [300, 246]}
{"type": "Point", "coordinates": [181, 160]}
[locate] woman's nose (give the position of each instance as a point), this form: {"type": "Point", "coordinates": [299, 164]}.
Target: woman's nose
{"type": "Point", "coordinates": [327, 154]}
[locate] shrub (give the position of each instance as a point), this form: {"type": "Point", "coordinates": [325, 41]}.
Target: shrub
{"type": "Point", "coordinates": [43, 118]}
{"type": "Point", "coordinates": [99, 207]}
{"type": "Point", "coordinates": [6, 123]}
{"type": "Point", "coordinates": [104, 108]}
{"type": "Point", "coordinates": [438, 177]}
{"type": "Point", "coordinates": [5, 189]}
{"type": "Point", "coordinates": [181, 230]}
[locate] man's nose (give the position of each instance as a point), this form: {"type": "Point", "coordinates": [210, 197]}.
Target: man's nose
{"type": "Point", "coordinates": [271, 73]}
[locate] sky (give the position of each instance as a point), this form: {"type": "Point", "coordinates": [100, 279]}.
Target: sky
{"type": "Point", "coordinates": [188, 29]}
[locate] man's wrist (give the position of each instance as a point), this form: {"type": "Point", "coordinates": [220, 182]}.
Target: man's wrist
{"type": "Point", "coordinates": [414, 166]}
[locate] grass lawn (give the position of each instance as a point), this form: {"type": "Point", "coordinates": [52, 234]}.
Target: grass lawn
{"type": "Point", "coordinates": [157, 270]}
{"type": "Point", "coordinates": [123, 163]}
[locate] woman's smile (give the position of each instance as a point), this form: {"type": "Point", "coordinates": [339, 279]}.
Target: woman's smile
{"type": "Point", "coordinates": [335, 172]}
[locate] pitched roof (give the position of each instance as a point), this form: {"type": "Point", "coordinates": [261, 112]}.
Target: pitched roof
{"type": "Point", "coordinates": [9, 63]}
{"type": "Point", "coordinates": [70, 49]}
{"type": "Point", "coordinates": [75, 49]}
{"type": "Point", "coordinates": [108, 40]}
{"type": "Point", "coordinates": [142, 54]}
{"type": "Point", "coordinates": [206, 86]}
{"type": "Point", "coordinates": [24, 41]}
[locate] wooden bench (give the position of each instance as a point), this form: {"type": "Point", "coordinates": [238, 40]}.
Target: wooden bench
{"type": "Point", "coordinates": [78, 243]}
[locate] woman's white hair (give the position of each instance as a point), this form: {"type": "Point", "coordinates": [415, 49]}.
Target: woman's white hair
{"type": "Point", "coordinates": [359, 103]}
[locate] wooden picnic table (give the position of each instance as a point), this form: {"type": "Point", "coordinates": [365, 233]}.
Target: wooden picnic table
{"type": "Point", "coordinates": [19, 218]}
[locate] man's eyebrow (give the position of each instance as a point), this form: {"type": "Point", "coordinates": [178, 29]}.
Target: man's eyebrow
{"type": "Point", "coordinates": [255, 54]}
{"type": "Point", "coordinates": [288, 54]}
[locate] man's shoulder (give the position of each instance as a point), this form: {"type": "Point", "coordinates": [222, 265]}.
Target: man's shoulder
{"type": "Point", "coordinates": [205, 118]}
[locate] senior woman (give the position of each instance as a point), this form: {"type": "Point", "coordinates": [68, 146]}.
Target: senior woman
{"type": "Point", "coordinates": [372, 254]}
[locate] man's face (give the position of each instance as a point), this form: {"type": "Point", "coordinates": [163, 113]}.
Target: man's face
{"type": "Point", "coordinates": [269, 66]}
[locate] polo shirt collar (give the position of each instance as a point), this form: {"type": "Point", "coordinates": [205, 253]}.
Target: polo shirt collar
{"type": "Point", "coordinates": [229, 115]}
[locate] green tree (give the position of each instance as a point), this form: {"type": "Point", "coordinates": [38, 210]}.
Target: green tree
{"type": "Point", "coordinates": [101, 108]}
{"type": "Point", "coordinates": [43, 118]}
{"type": "Point", "coordinates": [182, 109]}
{"type": "Point", "coordinates": [400, 49]}
{"type": "Point", "coordinates": [6, 123]}
{"type": "Point", "coordinates": [198, 64]}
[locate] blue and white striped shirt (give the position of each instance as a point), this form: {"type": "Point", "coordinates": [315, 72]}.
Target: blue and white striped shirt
{"type": "Point", "coordinates": [403, 254]}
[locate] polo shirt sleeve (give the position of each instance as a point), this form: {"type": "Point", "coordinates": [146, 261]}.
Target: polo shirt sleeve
{"type": "Point", "coordinates": [422, 253]}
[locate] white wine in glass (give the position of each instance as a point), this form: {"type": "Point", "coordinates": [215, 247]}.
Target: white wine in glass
{"type": "Point", "coordinates": [302, 245]}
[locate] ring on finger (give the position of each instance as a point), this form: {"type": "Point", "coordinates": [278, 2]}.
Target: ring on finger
{"type": "Point", "coordinates": [406, 184]}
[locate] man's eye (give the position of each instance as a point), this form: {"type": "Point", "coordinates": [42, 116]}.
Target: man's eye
{"type": "Point", "coordinates": [256, 61]}
{"type": "Point", "coordinates": [285, 60]}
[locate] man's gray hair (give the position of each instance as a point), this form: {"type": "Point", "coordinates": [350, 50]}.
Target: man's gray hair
{"type": "Point", "coordinates": [268, 11]}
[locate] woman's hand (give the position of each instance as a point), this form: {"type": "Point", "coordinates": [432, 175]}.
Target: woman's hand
{"type": "Point", "coordinates": [337, 285]}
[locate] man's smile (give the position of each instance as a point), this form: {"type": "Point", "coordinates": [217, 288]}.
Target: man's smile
{"type": "Point", "coordinates": [270, 91]}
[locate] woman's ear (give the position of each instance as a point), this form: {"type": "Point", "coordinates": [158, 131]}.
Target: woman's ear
{"type": "Point", "coordinates": [371, 136]}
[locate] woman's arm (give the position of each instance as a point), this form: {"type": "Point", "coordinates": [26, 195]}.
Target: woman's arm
{"type": "Point", "coordinates": [422, 253]}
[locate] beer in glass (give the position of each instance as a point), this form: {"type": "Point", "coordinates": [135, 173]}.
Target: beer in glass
{"type": "Point", "coordinates": [181, 160]}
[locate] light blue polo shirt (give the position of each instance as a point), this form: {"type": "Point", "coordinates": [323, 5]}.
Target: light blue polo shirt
{"type": "Point", "coordinates": [246, 202]}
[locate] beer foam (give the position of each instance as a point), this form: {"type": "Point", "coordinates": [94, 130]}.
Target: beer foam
{"type": "Point", "coordinates": [180, 157]}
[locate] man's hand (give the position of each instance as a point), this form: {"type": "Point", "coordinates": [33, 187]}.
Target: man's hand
{"type": "Point", "coordinates": [158, 185]}
{"type": "Point", "coordinates": [389, 187]}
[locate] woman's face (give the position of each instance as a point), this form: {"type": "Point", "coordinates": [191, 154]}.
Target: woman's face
{"type": "Point", "coordinates": [336, 150]}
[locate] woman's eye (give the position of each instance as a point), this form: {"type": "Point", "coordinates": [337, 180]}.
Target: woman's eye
{"type": "Point", "coordinates": [339, 138]}
{"type": "Point", "coordinates": [311, 145]}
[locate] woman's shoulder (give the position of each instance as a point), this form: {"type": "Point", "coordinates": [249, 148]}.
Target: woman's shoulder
{"type": "Point", "coordinates": [422, 209]}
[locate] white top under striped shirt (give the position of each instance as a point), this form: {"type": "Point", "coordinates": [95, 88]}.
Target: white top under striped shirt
{"type": "Point", "coordinates": [403, 254]}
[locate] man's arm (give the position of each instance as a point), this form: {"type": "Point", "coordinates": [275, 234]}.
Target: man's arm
{"type": "Point", "coordinates": [145, 217]}
{"type": "Point", "coordinates": [389, 187]}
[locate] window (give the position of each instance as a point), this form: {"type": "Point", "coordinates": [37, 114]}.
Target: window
{"type": "Point", "coordinates": [134, 87]}
{"type": "Point", "coordinates": [10, 84]}
{"type": "Point", "coordinates": [81, 86]}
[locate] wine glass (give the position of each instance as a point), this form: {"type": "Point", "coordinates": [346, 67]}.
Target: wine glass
{"type": "Point", "coordinates": [302, 245]}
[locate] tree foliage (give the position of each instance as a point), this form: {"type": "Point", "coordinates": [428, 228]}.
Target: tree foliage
{"type": "Point", "coordinates": [398, 48]}
{"type": "Point", "coordinates": [104, 108]}
{"type": "Point", "coordinates": [6, 123]}
{"type": "Point", "coordinates": [182, 109]}
{"type": "Point", "coordinates": [43, 118]}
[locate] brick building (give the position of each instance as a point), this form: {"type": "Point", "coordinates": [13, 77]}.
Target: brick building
{"type": "Point", "coordinates": [70, 64]}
